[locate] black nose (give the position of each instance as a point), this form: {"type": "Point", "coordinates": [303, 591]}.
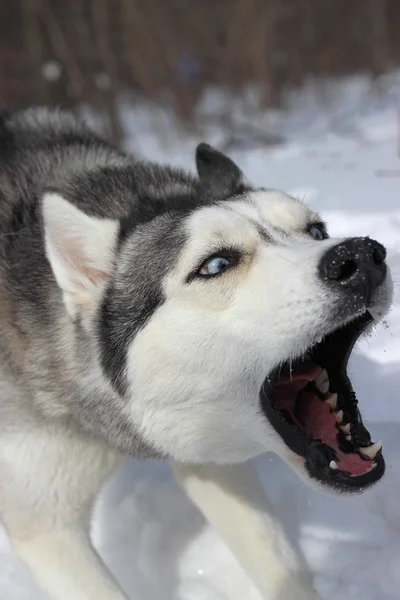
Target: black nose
{"type": "Point", "coordinates": [357, 264]}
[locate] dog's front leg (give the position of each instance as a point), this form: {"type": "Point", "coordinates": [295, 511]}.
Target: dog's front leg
{"type": "Point", "coordinates": [67, 567]}
{"type": "Point", "coordinates": [50, 477]}
{"type": "Point", "coordinates": [233, 501]}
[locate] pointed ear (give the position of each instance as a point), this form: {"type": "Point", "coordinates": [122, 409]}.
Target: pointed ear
{"type": "Point", "coordinates": [219, 176]}
{"type": "Point", "coordinates": [80, 249]}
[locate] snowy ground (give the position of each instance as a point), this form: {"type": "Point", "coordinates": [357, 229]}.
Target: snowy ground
{"type": "Point", "coordinates": [154, 541]}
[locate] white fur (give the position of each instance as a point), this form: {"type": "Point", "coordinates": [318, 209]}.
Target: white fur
{"type": "Point", "coordinates": [50, 479]}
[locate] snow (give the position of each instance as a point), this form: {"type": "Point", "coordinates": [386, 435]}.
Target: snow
{"type": "Point", "coordinates": [156, 543]}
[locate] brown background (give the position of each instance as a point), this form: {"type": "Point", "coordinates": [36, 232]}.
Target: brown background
{"type": "Point", "coordinates": [70, 52]}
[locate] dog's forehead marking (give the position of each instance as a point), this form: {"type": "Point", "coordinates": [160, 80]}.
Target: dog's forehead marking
{"type": "Point", "coordinates": [276, 209]}
{"type": "Point", "coordinates": [274, 215]}
{"type": "Point", "coordinates": [217, 224]}
{"type": "Point", "coordinates": [248, 211]}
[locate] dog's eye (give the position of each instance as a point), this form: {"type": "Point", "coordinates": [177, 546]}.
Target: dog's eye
{"type": "Point", "coordinates": [316, 232]}
{"type": "Point", "coordinates": [214, 266]}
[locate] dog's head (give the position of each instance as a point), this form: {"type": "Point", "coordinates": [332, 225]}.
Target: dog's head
{"type": "Point", "coordinates": [226, 327]}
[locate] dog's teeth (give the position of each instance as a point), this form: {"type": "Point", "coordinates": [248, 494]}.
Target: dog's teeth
{"type": "Point", "coordinates": [339, 416]}
{"type": "Point", "coordinates": [374, 314]}
{"type": "Point", "coordinates": [371, 467]}
{"type": "Point", "coordinates": [322, 381]}
{"type": "Point", "coordinates": [346, 428]}
{"type": "Point", "coordinates": [371, 451]}
{"type": "Point", "coordinates": [332, 401]}
{"type": "Point", "coordinates": [333, 465]}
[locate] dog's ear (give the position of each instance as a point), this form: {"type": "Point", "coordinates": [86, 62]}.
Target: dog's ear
{"type": "Point", "coordinates": [219, 176]}
{"type": "Point", "coordinates": [80, 249]}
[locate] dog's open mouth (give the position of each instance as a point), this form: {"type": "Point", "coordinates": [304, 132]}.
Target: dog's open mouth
{"type": "Point", "coordinates": [312, 405]}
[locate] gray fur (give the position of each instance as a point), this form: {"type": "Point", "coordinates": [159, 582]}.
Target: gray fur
{"type": "Point", "coordinates": [40, 348]}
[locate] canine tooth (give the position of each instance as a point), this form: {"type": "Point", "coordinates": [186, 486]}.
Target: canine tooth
{"type": "Point", "coordinates": [332, 401]}
{"type": "Point", "coordinates": [371, 451]}
{"type": "Point", "coordinates": [345, 428]}
{"type": "Point", "coordinates": [322, 381]}
{"type": "Point", "coordinates": [333, 465]}
{"type": "Point", "coordinates": [374, 314]}
{"type": "Point", "coordinates": [339, 416]}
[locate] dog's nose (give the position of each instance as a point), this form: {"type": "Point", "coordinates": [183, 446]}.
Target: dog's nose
{"type": "Point", "coordinates": [357, 264]}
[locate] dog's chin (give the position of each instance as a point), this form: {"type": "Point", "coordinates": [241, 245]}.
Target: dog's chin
{"type": "Point", "coordinates": [311, 404]}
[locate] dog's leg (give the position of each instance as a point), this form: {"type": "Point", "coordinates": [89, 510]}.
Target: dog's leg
{"type": "Point", "coordinates": [65, 565]}
{"type": "Point", "coordinates": [48, 484]}
{"type": "Point", "coordinates": [233, 501]}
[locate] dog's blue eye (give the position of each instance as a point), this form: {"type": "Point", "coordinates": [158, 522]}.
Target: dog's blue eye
{"type": "Point", "coordinates": [316, 232]}
{"type": "Point", "coordinates": [214, 266]}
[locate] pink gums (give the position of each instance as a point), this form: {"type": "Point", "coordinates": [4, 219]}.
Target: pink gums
{"type": "Point", "coordinates": [314, 416]}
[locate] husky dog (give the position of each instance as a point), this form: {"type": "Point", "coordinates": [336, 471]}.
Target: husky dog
{"type": "Point", "coordinates": [148, 312]}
